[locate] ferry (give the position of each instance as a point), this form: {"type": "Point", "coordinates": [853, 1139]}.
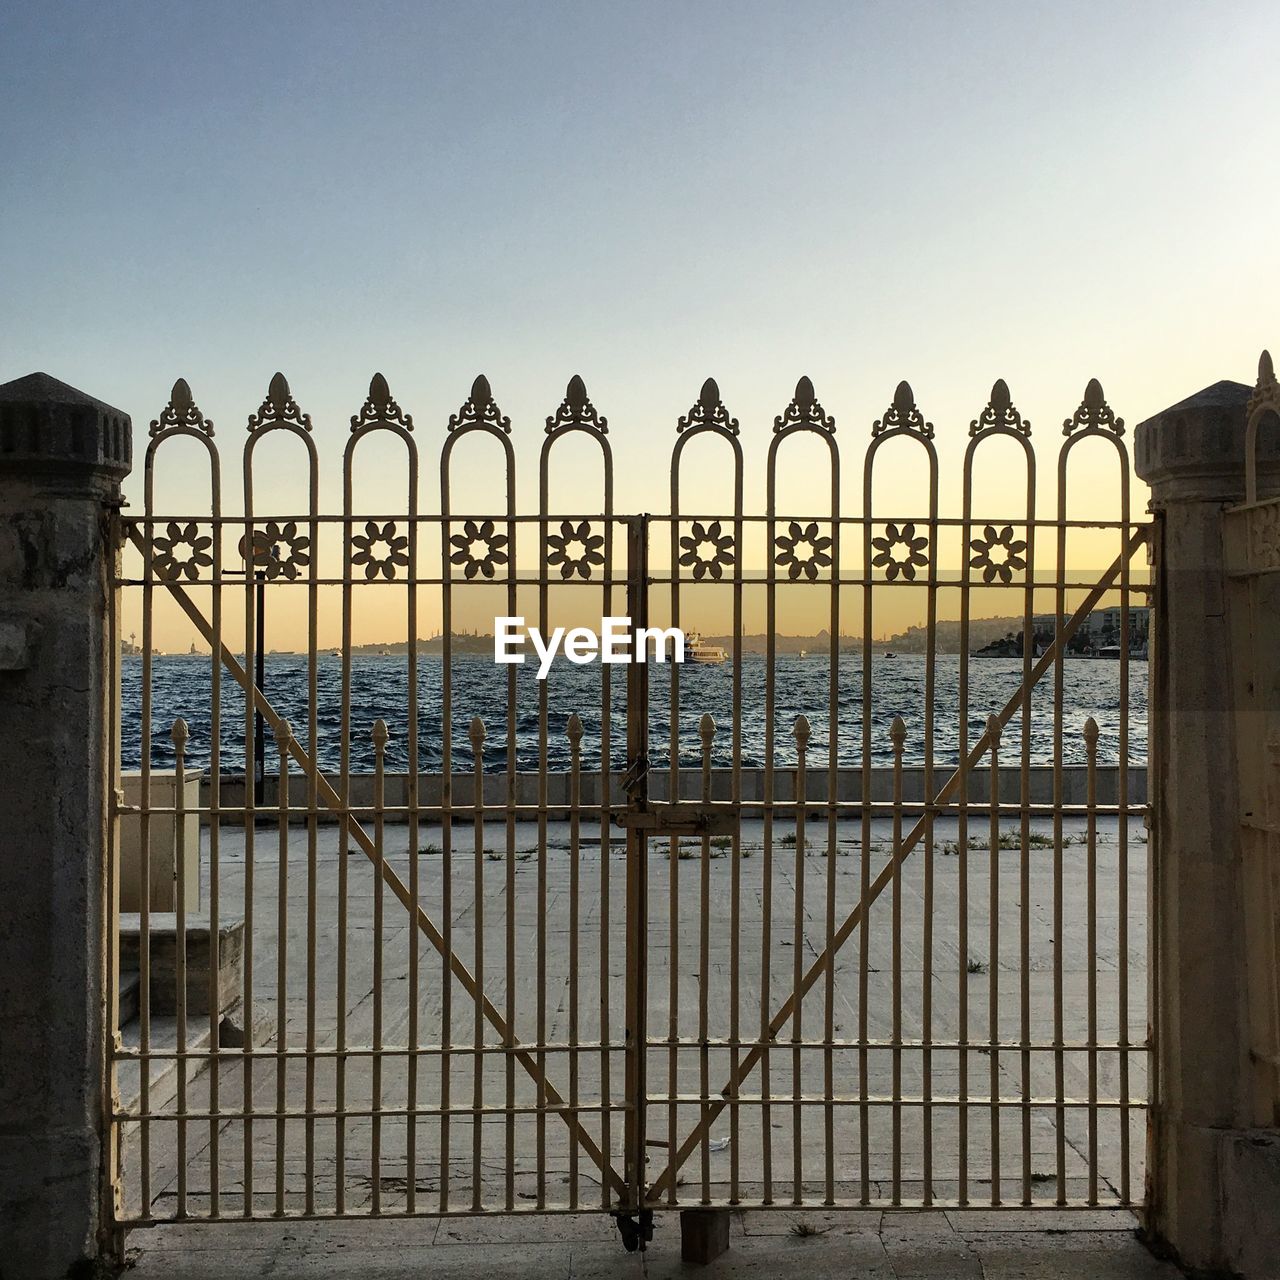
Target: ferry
{"type": "Point", "coordinates": [697, 650]}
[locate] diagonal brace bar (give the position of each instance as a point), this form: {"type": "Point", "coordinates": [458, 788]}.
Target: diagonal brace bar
{"type": "Point", "coordinates": [854, 918]}
{"type": "Point", "coordinates": [332, 801]}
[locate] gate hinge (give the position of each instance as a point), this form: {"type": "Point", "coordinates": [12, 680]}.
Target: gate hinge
{"type": "Point", "coordinates": [680, 819]}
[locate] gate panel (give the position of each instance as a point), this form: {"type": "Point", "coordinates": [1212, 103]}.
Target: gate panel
{"type": "Point", "coordinates": [929, 912]}
{"type": "Point", "coordinates": [850, 926]}
{"type": "Point", "coordinates": [414, 994]}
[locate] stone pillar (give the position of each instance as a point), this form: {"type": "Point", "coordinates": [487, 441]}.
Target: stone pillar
{"type": "Point", "coordinates": [1192, 456]}
{"type": "Point", "coordinates": [62, 457]}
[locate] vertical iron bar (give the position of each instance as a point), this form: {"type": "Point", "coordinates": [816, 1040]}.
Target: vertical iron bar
{"type": "Point", "coordinates": [637, 869]}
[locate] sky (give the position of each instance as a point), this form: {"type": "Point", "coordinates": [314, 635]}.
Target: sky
{"type": "Point", "coordinates": [644, 194]}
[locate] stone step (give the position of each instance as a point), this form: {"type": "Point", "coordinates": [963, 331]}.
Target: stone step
{"type": "Point", "coordinates": [163, 957]}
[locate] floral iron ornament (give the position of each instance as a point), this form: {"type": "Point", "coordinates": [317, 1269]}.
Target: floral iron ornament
{"type": "Point", "coordinates": [281, 550]}
{"type": "Point", "coordinates": [380, 550]}
{"type": "Point", "coordinates": [465, 543]}
{"type": "Point", "coordinates": [560, 549]}
{"type": "Point", "coordinates": [998, 553]}
{"type": "Point", "coordinates": [181, 553]}
{"type": "Point", "coordinates": [900, 552]}
{"type": "Point", "coordinates": [802, 551]}
{"type": "Point", "coordinates": [707, 550]}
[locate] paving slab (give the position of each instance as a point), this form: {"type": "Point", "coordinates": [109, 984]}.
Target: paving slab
{"type": "Point", "coordinates": [851, 1244]}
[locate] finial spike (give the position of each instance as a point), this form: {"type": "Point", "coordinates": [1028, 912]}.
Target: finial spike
{"type": "Point", "coordinates": [576, 394]}
{"type": "Point", "coordinates": [284, 734]}
{"type": "Point", "coordinates": [481, 394]}
{"type": "Point", "coordinates": [278, 392]}
{"type": "Point", "coordinates": [476, 732]}
{"type": "Point", "coordinates": [707, 727]}
{"type": "Point", "coordinates": [898, 731]}
{"type": "Point", "coordinates": [1091, 733]}
{"type": "Point", "coordinates": [1000, 398]}
{"type": "Point", "coordinates": [574, 728]}
{"type": "Point", "coordinates": [380, 734]}
{"type": "Point", "coordinates": [801, 730]}
{"type": "Point", "coordinates": [993, 730]}
{"type": "Point", "coordinates": [180, 733]}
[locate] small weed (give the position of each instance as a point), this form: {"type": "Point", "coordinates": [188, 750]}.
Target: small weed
{"type": "Point", "coordinates": [722, 842]}
{"type": "Point", "coordinates": [430, 851]}
{"type": "Point", "coordinates": [493, 855]}
{"type": "Point", "coordinates": [977, 966]}
{"type": "Point", "coordinates": [802, 1228]}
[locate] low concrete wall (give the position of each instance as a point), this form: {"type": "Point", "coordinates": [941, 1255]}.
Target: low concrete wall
{"type": "Point", "coordinates": [848, 789]}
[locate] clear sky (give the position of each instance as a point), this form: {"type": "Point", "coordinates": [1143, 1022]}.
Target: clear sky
{"type": "Point", "coordinates": [645, 194]}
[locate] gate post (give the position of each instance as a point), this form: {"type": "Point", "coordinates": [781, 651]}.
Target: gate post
{"type": "Point", "coordinates": [62, 457]}
{"type": "Point", "coordinates": [1193, 457]}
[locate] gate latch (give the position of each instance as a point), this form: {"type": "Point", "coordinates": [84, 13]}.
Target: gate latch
{"type": "Point", "coordinates": [680, 819]}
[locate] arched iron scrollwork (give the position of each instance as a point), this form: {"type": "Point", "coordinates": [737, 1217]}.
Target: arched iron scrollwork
{"type": "Point", "coordinates": [996, 553]}
{"type": "Point", "coordinates": [708, 411]}
{"type": "Point", "coordinates": [1263, 403]}
{"type": "Point", "coordinates": [1000, 412]}
{"type": "Point", "coordinates": [380, 408]}
{"type": "Point", "coordinates": [903, 414]}
{"type": "Point", "coordinates": [1094, 413]}
{"type": "Point", "coordinates": [804, 411]}
{"type": "Point", "coordinates": [576, 410]}
{"type": "Point", "coordinates": [279, 408]}
{"type": "Point", "coordinates": [181, 412]}
{"type": "Point", "coordinates": [479, 409]}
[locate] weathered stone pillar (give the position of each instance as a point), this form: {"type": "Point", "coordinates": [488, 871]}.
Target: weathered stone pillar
{"type": "Point", "coordinates": [62, 457]}
{"type": "Point", "coordinates": [1193, 457]}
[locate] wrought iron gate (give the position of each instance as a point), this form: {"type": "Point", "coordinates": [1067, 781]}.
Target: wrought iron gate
{"type": "Point", "coordinates": [899, 968]}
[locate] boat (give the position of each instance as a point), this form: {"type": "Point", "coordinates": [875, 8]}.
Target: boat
{"type": "Point", "coordinates": [890, 654]}
{"type": "Point", "coordinates": [699, 651]}
{"type": "Point", "coordinates": [804, 653]}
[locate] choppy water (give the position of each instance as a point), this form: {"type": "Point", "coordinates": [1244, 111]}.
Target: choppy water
{"type": "Point", "coordinates": [181, 687]}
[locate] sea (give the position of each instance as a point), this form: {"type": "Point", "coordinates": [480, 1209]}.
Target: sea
{"type": "Point", "coordinates": [181, 687]}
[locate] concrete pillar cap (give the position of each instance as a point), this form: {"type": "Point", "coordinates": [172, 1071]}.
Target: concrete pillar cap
{"type": "Point", "coordinates": [46, 425]}
{"type": "Point", "coordinates": [1195, 450]}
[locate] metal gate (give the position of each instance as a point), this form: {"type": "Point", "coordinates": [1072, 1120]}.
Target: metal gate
{"type": "Point", "coordinates": [441, 951]}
